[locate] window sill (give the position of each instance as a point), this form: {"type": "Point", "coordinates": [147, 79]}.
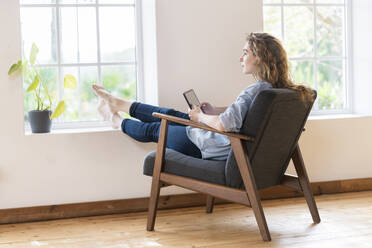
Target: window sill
{"type": "Point", "coordinates": [337, 116]}
{"type": "Point", "coordinates": [75, 130]}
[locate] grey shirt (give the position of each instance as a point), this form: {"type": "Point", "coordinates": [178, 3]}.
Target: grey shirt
{"type": "Point", "coordinates": [217, 146]}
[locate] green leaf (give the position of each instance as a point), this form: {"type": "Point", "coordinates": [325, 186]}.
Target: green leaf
{"type": "Point", "coordinates": [70, 81]}
{"type": "Point", "coordinates": [59, 110]}
{"type": "Point", "coordinates": [15, 67]}
{"type": "Point", "coordinates": [34, 84]}
{"type": "Point", "coordinates": [34, 52]}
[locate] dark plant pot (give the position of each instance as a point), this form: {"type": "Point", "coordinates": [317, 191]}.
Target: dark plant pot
{"type": "Point", "coordinates": [40, 121]}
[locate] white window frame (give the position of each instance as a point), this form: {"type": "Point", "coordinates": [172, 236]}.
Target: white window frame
{"type": "Point", "coordinates": [348, 109]}
{"type": "Point", "coordinates": [138, 62]}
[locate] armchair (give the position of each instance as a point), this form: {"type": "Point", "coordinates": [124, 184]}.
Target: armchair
{"type": "Point", "coordinates": [258, 159]}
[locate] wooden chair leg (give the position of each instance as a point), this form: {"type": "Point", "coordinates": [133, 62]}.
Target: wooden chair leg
{"type": "Point", "coordinates": [156, 184]}
{"type": "Point", "coordinates": [154, 197]}
{"type": "Point", "coordinates": [210, 203]}
{"type": "Point", "coordinates": [250, 186]}
{"type": "Point", "coordinates": [305, 184]}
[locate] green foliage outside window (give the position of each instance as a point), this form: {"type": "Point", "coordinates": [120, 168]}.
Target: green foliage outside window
{"type": "Point", "coordinates": [299, 41]}
{"type": "Point", "coordinates": [71, 48]}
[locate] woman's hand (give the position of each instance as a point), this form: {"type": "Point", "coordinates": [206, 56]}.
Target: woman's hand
{"type": "Point", "coordinates": [207, 108]}
{"type": "Point", "coordinates": [195, 113]}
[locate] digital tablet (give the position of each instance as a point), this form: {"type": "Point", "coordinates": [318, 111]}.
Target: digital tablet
{"type": "Point", "coordinates": [191, 98]}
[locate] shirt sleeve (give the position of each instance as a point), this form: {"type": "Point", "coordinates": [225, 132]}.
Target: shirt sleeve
{"type": "Point", "coordinates": [232, 118]}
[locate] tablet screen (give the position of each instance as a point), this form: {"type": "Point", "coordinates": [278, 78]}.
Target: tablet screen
{"type": "Point", "coordinates": [191, 98]}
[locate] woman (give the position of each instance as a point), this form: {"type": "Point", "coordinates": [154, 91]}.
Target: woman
{"type": "Point", "coordinates": [263, 56]}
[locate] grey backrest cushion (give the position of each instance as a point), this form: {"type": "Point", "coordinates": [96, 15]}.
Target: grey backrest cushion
{"type": "Point", "coordinates": [276, 118]}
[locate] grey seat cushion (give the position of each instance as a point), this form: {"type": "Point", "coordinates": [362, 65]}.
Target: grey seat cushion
{"type": "Point", "coordinates": [179, 164]}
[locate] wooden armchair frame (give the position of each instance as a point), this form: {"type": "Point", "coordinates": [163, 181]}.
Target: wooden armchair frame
{"type": "Point", "coordinates": [249, 197]}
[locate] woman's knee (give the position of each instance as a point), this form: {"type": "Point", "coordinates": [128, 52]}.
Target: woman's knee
{"type": "Point", "coordinates": [141, 131]}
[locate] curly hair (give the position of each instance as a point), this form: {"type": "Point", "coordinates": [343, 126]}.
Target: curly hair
{"type": "Point", "coordinates": [272, 64]}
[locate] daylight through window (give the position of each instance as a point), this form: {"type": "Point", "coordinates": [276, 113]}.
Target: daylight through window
{"type": "Point", "coordinates": [93, 40]}
{"type": "Point", "coordinates": [314, 33]}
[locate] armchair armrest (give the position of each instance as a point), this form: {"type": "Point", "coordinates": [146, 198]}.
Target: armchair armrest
{"type": "Point", "coordinates": [201, 126]}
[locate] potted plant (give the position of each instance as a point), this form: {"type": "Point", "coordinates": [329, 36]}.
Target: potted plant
{"type": "Point", "coordinates": [41, 117]}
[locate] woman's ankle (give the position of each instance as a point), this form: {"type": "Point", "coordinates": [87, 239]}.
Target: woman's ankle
{"type": "Point", "coordinates": [116, 120]}
{"type": "Point", "coordinates": [125, 106]}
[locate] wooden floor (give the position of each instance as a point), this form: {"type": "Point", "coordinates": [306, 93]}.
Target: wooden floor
{"type": "Point", "coordinates": [346, 222]}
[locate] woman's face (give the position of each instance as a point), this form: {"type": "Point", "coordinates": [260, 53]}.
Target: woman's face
{"type": "Point", "coordinates": [248, 60]}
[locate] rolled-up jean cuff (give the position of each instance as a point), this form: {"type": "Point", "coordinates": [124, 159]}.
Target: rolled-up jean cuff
{"type": "Point", "coordinates": [123, 125]}
{"type": "Point", "coordinates": [133, 108]}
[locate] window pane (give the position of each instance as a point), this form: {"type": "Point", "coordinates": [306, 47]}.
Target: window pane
{"type": "Point", "coordinates": [87, 35]}
{"type": "Point", "coordinates": [69, 37]}
{"type": "Point", "coordinates": [117, 25]}
{"type": "Point", "coordinates": [303, 72]}
{"type": "Point", "coordinates": [41, 31]}
{"type": "Point", "coordinates": [299, 31]}
{"type": "Point", "coordinates": [79, 35]}
{"type": "Point", "coordinates": [272, 21]}
{"type": "Point", "coordinates": [331, 84]}
{"type": "Point", "coordinates": [89, 101]}
{"type": "Point", "coordinates": [120, 81]}
{"type": "Point", "coordinates": [330, 31]}
{"type": "Point", "coordinates": [49, 76]}
{"type": "Point", "coordinates": [116, 1]}
{"type": "Point", "coordinates": [71, 96]}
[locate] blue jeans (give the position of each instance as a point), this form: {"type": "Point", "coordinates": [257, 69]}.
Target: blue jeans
{"type": "Point", "coordinates": [148, 128]}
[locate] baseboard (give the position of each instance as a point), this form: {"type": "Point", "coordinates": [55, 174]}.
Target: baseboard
{"type": "Point", "coordinates": [53, 212]}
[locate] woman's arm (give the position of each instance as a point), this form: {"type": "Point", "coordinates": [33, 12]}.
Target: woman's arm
{"type": "Point", "coordinates": [213, 121]}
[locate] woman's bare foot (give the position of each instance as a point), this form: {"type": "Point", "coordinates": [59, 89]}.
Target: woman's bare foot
{"type": "Point", "coordinates": [104, 110]}
{"type": "Point", "coordinates": [114, 103]}
{"type": "Point", "coordinates": [116, 121]}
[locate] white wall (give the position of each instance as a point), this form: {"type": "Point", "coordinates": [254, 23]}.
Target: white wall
{"type": "Point", "coordinates": [199, 43]}
{"type": "Point", "coordinates": [337, 148]}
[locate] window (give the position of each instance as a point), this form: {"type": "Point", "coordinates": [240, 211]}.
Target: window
{"type": "Point", "coordinates": [94, 40]}
{"type": "Point", "coordinates": [315, 35]}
